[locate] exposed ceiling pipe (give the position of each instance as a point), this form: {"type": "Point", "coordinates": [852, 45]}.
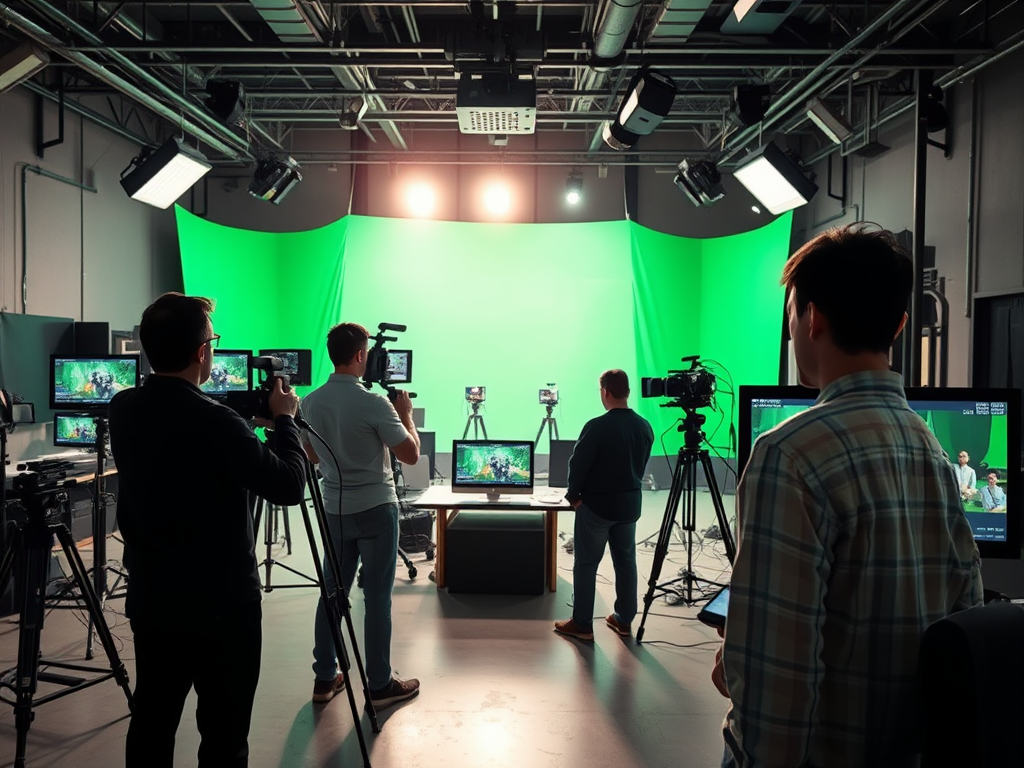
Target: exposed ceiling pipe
{"type": "Point", "coordinates": [100, 72]}
{"type": "Point", "coordinates": [615, 28]}
{"type": "Point", "coordinates": [88, 114]}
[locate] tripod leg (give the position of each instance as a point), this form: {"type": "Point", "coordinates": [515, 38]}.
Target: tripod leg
{"type": "Point", "coordinates": [661, 548]}
{"type": "Point", "coordinates": [34, 549]}
{"type": "Point", "coordinates": [483, 427]}
{"type": "Point", "coordinates": [540, 432]}
{"type": "Point", "coordinates": [287, 530]}
{"type": "Point", "coordinates": [96, 611]}
{"type": "Point", "coordinates": [554, 424]}
{"type": "Point", "coordinates": [465, 432]}
{"type": "Point", "coordinates": [716, 499]}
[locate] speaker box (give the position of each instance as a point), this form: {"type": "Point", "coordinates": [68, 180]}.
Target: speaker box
{"type": "Point", "coordinates": [92, 339]}
{"type": "Point", "coordinates": [558, 463]}
{"type": "Point", "coordinates": [495, 553]}
{"type": "Point", "coordinates": [427, 447]}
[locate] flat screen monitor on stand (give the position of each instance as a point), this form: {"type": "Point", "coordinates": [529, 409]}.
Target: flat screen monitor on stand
{"type": "Point", "coordinates": [492, 467]}
{"type": "Point", "coordinates": [985, 423]}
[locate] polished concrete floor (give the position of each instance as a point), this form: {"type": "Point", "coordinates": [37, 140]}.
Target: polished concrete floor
{"type": "Point", "coordinates": [499, 687]}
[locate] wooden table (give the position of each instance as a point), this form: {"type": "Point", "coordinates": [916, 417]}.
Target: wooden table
{"type": "Point", "coordinates": [448, 505]}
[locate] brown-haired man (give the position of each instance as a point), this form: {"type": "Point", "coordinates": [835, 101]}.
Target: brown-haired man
{"type": "Point", "coordinates": [605, 474]}
{"type": "Point", "coordinates": [185, 464]}
{"type": "Point", "coordinates": [852, 536]}
{"type": "Point", "coordinates": [362, 507]}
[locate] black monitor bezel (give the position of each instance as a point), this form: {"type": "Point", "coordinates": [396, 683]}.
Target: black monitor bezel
{"type": "Point", "coordinates": [84, 405]}
{"type": "Point", "coordinates": [57, 415]}
{"type": "Point", "coordinates": [248, 368]}
{"type": "Point", "coordinates": [494, 488]}
{"type": "Point", "coordinates": [1010, 548]}
{"type": "Point", "coordinates": [305, 357]}
{"type": "Point", "coordinates": [408, 355]}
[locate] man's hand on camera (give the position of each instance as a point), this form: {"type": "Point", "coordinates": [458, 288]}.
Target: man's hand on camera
{"type": "Point", "coordinates": [403, 404]}
{"type": "Point", "coordinates": [283, 403]}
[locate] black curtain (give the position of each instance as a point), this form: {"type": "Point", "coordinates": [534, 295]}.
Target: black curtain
{"type": "Point", "coordinates": [999, 343]}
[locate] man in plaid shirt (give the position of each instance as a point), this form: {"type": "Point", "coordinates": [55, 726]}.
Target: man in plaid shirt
{"type": "Point", "coordinates": [852, 536]}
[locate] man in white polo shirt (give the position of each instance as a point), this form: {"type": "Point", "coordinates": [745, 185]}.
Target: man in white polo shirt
{"type": "Point", "coordinates": [362, 429]}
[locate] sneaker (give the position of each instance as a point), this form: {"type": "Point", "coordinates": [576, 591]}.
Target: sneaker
{"type": "Point", "coordinates": [395, 691]}
{"type": "Point", "coordinates": [325, 690]}
{"type": "Point", "coordinates": [623, 629]}
{"type": "Point", "coordinates": [572, 629]}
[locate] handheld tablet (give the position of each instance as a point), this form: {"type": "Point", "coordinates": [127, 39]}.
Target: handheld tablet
{"type": "Point", "coordinates": [714, 612]}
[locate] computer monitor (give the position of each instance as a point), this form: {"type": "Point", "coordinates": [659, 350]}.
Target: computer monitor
{"type": "Point", "coordinates": [231, 372]}
{"type": "Point", "coordinates": [74, 430]}
{"type": "Point", "coordinates": [983, 422]}
{"type": "Point", "coordinates": [399, 366]}
{"type": "Point", "coordinates": [298, 364]}
{"type": "Point", "coordinates": [90, 382]}
{"type": "Point", "coordinates": [492, 467]}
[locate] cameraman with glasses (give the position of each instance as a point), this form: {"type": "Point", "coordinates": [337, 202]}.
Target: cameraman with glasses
{"type": "Point", "coordinates": [186, 466]}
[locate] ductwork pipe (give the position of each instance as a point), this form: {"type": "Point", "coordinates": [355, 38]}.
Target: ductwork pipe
{"type": "Point", "coordinates": [611, 38]}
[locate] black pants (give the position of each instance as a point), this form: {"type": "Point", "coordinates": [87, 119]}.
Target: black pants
{"type": "Point", "coordinates": [219, 656]}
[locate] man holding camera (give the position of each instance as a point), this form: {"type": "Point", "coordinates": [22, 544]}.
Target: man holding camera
{"type": "Point", "coordinates": [362, 507]}
{"type": "Point", "coordinates": [186, 465]}
{"type": "Point", "coordinates": [605, 474]}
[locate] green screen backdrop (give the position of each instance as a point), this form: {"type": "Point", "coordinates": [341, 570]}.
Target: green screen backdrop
{"type": "Point", "coordinates": [511, 307]}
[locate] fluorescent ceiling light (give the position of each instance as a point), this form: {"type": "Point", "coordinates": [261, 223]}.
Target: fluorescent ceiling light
{"type": "Point", "coordinates": [775, 179]}
{"type": "Point", "coordinates": [742, 8]}
{"type": "Point", "coordinates": [831, 124]}
{"type": "Point", "coordinates": [160, 178]}
{"type": "Point", "coordinates": [20, 64]}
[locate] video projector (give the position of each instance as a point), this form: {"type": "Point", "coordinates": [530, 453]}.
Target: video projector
{"type": "Point", "coordinates": [496, 103]}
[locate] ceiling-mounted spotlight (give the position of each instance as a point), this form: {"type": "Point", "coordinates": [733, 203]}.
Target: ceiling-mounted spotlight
{"type": "Point", "coordinates": [160, 177]}
{"type": "Point", "coordinates": [226, 100]}
{"type": "Point", "coordinates": [644, 106]}
{"type": "Point", "coordinates": [352, 111]}
{"type": "Point", "coordinates": [574, 188]}
{"type": "Point", "coordinates": [750, 103]}
{"type": "Point", "coordinates": [20, 64]}
{"type": "Point", "coordinates": [832, 125]}
{"type": "Point", "coordinates": [700, 181]}
{"type": "Point", "coordinates": [775, 179]}
{"type": "Point", "coordinates": [935, 113]}
{"type": "Point", "coordinates": [273, 179]}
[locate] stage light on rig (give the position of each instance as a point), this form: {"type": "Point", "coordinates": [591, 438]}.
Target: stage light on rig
{"type": "Point", "coordinates": [646, 103]}
{"type": "Point", "coordinates": [775, 179]}
{"type": "Point", "coordinates": [574, 188]}
{"type": "Point", "coordinates": [273, 179]}
{"type": "Point", "coordinates": [159, 177]}
{"type": "Point", "coordinates": [497, 199]}
{"type": "Point", "coordinates": [700, 181]}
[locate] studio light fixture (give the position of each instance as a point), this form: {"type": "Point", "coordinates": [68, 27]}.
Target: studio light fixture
{"type": "Point", "coordinates": [774, 178]}
{"type": "Point", "coordinates": [226, 100]}
{"type": "Point", "coordinates": [160, 177]}
{"type": "Point", "coordinates": [497, 199]}
{"type": "Point", "coordinates": [574, 188]}
{"type": "Point", "coordinates": [352, 112]}
{"type": "Point", "coordinates": [646, 103]}
{"type": "Point", "coordinates": [700, 181]}
{"type": "Point", "coordinates": [832, 125]}
{"type": "Point", "coordinates": [935, 113]}
{"type": "Point", "coordinates": [750, 103]}
{"type": "Point", "coordinates": [20, 64]}
{"type": "Point", "coordinates": [420, 200]}
{"type": "Point", "coordinates": [274, 178]}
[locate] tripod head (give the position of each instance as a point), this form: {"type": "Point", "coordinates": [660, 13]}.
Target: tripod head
{"type": "Point", "coordinates": [693, 435]}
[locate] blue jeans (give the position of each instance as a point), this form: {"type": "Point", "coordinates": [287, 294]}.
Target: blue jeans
{"type": "Point", "coordinates": [590, 534]}
{"type": "Point", "coordinates": [370, 536]}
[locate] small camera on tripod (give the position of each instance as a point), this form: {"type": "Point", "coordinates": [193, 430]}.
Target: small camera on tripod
{"type": "Point", "coordinates": [549, 395]}
{"type": "Point", "coordinates": [476, 394]}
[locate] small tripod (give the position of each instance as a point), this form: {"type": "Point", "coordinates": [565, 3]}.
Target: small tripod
{"type": "Point", "coordinates": [30, 548]}
{"type": "Point", "coordinates": [549, 422]}
{"type": "Point", "coordinates": [269, 537]}
{"type": "Point", "coordinates": [476, 421]}
{"type": "Point", "coordinates": [684, 481]}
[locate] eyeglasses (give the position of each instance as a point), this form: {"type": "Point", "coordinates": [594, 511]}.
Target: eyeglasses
{"type": "Point", "coordinates": [213, 341]}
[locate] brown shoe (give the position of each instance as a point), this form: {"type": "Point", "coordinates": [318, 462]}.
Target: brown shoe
{"type": "Point", "coordinates": [623, 629]}
{"type": "Point", "coordinates": [325, 690]}
{"type": "Point", "coordinates": [394, 692]}
{"type": "Point", "coordinates": [572, 629]}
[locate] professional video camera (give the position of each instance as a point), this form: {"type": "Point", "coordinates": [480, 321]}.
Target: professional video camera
{"type": "Point", "coordinates": [692, 388]}
{"type": "Point", "coordinates": [388, 367]}
{"type": "Point", "coordinates": [256, 402]}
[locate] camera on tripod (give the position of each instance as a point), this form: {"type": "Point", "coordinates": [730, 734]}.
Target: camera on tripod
{"type": "Point", "coordinates": [692, 388]}
{"type": "Point", "coordinates": [549, 395]}
{"type": "Point", "coordinates": [388, 367]}
{"type": "Point", "coordinates": [256, 402]}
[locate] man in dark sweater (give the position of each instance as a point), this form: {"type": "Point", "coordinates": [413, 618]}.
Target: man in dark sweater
{"type": "Point", "coordinates": [605, 472]}
{"type": "Point", "coordinates": [185, 464]}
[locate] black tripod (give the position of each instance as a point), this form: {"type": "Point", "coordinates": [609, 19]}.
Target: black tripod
{"type": "Point", "coordinates": [269, 538]}
{"type": "Point", "coordinates": [549, 422]}
{"type": "Point", "coordinates": [684, 481]}
{"type": "Point", "coordinates": [29, 548]}
{"type": "Point", "coordinates": [476, 421]}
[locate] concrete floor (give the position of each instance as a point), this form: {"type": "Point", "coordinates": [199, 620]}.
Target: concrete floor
{"type": "Point", "coordinates": [499, 687]}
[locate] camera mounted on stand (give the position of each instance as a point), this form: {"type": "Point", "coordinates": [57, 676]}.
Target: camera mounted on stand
{"type": "Point", "coordinates": [388, 367]}
{"type": "Point", "coordinates": [689, 389]}
{"type": "Point", "coordinates": [255, 402]}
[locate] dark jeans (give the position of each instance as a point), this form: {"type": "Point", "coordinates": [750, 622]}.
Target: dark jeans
{"type": "Point", "coordinates": [219, 656]}
{"type": "Point", "coordinates": [591, 534]}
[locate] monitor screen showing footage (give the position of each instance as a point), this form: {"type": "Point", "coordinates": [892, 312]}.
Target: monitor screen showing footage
{"type": "Point", "coordinates": [549, 396]}
{"type": "Point", "coordinates": [90, 381]}
{"type": "Point", "coordinates": [399, 366]}
{"type": "Point", "coordinates": [231, 372]}
{"type": "Point", "coordinates": [492, 466]}
{"type": "Point", "coordinates": [74, 430]}
{"type": "Point", "coordinates": [476, 394]}
{"type": "Point", "coordinates": [982, 424]}
{"type": "Point", "coordinates": [297, 364]}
